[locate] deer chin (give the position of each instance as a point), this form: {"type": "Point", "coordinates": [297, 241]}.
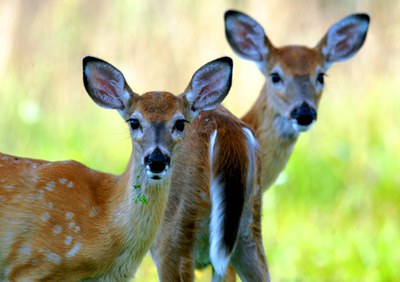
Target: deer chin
{"type": "Point", "coordinates": [301, 128]}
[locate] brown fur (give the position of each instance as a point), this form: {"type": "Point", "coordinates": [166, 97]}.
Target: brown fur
{"type": "Point", "coordinates": [182, 240]}
{"type": "Point", "coordinates": [48, 209]}
{"type": "Point", "coordinates": [62, 221]}
{"type": "Point", "coordinates": [298, 67]}
{"type": "Point", "coordinates": [188, 208]}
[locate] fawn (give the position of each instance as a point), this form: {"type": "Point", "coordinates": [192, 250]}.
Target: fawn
{"type": "Point", "coordinates": [294, 81]}
{"type": "Point", "coordinates": [63, 221]}
{"type": "Point", "coordinates": [287, 105]}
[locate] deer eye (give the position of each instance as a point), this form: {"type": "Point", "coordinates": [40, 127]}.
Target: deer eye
{"type": "Point", "coordinates": [320, 78]}
{"type": "Point", "coordinates": [134, 123]}
{"type": "Point", "coordinates": [275, 77]}
{"type": "Point", "coordinates": [180, 124]}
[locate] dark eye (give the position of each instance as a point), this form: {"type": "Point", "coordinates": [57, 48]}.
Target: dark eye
{"type": "Point", "coordinates": [135, 124]}
{"type": "Point", "coordinates": [275, 77]}
{"type": "Point", "coordinates": [180, 124]}
{"type": "Point", "coordinates": [320, 78]}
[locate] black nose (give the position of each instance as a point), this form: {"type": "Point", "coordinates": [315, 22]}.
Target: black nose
{"type": "Point", "coordinates": [304, 115]}
{"type": "Point", "coordinates": [157, 161]}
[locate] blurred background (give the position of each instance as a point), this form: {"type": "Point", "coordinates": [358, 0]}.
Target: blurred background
{"type": "Point", "coordinates": [333, 215]}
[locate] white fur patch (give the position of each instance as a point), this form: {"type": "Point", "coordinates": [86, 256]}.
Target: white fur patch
{"type": "Point", "coordinates": [213, 139]}
{"type": "Point", "coordinates": [218, 254]}
{"type": "Point", "coordinates": [45, 217]}
{"type": "Point", "coordinates": [52, 257]}
{"type": "Point", "coordinates": [301, 128]}
{"type": "Point", "coordinates": [253, 146]}
{"type": "Point", "coordinates": [26, 251]}
{"type": "Point", "coordinates": [68, 240]}
{"type": "Point", "coordinates": [62, 181]}
{"type": "Point", "coordinates": [251, 139]}
{"type": "Point", "coordinates": [69, 215]}
{"type": "Point", "coordinates": [57, 229]}
{"type": "Point", "coordinates": [50, 186]}
{"type": "Point", "coordinates": [49, 205]}
{"type": "Point", "coordinates": [73, 251]}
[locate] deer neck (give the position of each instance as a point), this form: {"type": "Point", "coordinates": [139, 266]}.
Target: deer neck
{"type": "Point", "coordinates": [275, 134]}
{"type": "Point", "coordinates": [136, 222]}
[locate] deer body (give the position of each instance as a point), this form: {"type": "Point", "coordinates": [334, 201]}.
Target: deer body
{"type": "Point", "coordinates": [213, 211]}
{"type": "Point", "coordinates": [294, 80]}
{"type": "Point", "coordinates": [62, 221]}
{"type": "Point", "coordinates": [100, 229]}
{"type": "Point", "coordinates": [287, 106]}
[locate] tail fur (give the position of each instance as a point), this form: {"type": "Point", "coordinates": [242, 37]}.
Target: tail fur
{"type": "Point", "coordinates": [231, 173]}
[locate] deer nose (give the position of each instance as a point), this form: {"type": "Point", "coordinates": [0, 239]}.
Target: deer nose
{"type": "Point", "coordinates": [304, 115]}
{"type": "Point", "coordinates": [157, 161]}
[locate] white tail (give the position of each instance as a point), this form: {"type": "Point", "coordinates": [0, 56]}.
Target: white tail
{"type": "Point", "coordinates": [63, 221]}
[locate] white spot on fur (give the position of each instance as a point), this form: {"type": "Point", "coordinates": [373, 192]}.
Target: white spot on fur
{"type": "Point", "coordinates": [26, 251]}
{"type": "Point", "coordinates": [49, 205]}
{"type": "Point", "coordinates": [69, 215]}
{"type": "Point", "coordinates": [57, 229]}
{"type": "Point", "coordinates": [52, 257]}
{"type": "Point", "coordinates": [68, 240]}
{"type": "Point", "coordinates": [77, 229]}
{"type": "Point", "coordinates": [45, 217]}
{"type": "Point", "coordinates": [34, 165]}
{"type": "Point", "coordinates": [70, 184]}
{"type": "Point", "coordinates": [35, 178]}
{"type": "Point", "coordinates": [5, 158]}
{"type": "Point", "coordinates": [50, 186]}
{"type": "Point", "coordinates": [62, 181]}
{"type": "Point", "coordinates": [71, 225]}
{"type": "Point", "coordinates": [73, 251]}
{"type": "Point", "coordinates": [39, 195]}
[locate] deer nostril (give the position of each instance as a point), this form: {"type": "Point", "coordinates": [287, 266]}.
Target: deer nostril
{"type": "Point", "coordinates": [305, 120]}
{"type": "Point", "coordinates": [157, 167]}
{"type": "Point", "coordinates": [157, 161]}
{"type": "Point", "coordinates": [304, 115]}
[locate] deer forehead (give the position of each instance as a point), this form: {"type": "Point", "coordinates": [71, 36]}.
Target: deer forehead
{"type": "Point", "coordinates": [158, 106]}
{"type": "Point", "coordinates": [298, 60]}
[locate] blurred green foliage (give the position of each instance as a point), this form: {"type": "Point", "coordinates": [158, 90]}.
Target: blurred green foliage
{"type": "Point", "coordinates": [334, 214]}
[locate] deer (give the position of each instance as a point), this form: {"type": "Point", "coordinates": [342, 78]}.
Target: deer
{"type": "Point", "coordinates": [294, 81]}
{"type": "Point", "coordinates": [287, 106]}
{"type": "Point", "coordinates": [63, 221]}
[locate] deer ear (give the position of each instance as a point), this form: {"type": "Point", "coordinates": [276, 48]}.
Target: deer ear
{"type": "Point", "coordinates": [344, 38]}
{"type": "Point", "coordinates": [105, 84]}
{"type": "Point", "coordinates": [209, 85]}
{"type": "Point", "coordinates": [246, 36]}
